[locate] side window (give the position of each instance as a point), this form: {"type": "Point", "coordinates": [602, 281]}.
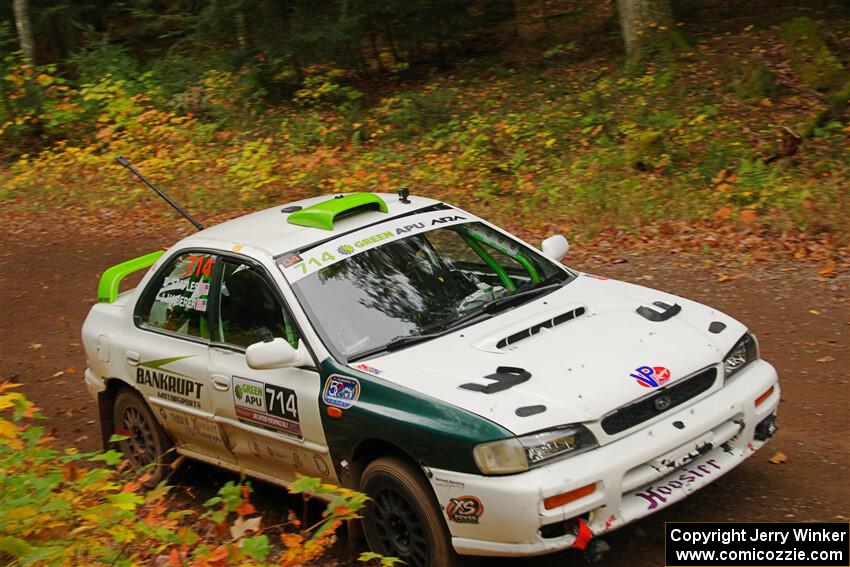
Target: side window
{"type": "Point", "coordinates": [181, 296]}
{"type": "Point", "coordinates": [249, 311]}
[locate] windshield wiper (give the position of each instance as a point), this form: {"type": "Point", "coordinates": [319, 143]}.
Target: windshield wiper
{"type": "Point", "coordinates": [393, 344]}
{"type": "Point", "coordinates": [407, 340]}
{"type": "Point", "coordinates": [521, 296]}
{"type": "Point", "coordinates": [484, 312]}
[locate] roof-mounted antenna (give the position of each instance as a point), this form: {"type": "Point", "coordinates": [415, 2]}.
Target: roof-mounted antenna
{"type": "Point", "coordinates": [123, 161]}
{"type": "Point", "coordinates": [403, 194]}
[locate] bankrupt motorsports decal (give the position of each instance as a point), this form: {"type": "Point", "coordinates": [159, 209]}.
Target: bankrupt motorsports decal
{"type": "Point", "coordinates": [295, 267]}
{"type": "Point", "coordinates": [169, 385]}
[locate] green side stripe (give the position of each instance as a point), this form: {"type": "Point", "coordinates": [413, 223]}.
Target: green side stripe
{"type": "Point", "coordinates": [160, 362]}
{"type": "Point", "coordinates": [322, 215]}
{"type": "Point", "coordinates": [107, 289]}
{"type": "Point", "coordinates": [432, 431]}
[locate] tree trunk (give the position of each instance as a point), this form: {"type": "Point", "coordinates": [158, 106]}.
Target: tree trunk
{"type": "Point", "coordinates": [241, 30]}
{"type": "Point", "coordinates": [22, 23]}
{"type": "Point", "coordinates": [640, 19]}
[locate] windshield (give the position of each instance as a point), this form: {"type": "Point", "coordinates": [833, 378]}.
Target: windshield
{"type": "Point", "coordinates": [419, 285]}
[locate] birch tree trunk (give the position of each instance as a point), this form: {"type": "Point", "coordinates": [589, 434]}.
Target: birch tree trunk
{"type": "Point", "coordinates": [241, 30]}
{"type": "Point", "coordinates": [22, 23]}
{"type": "Point", "coordinates": [641, 19]}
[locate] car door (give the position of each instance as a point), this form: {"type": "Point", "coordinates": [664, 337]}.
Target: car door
{"type": "Point", "coordinates": [168, 353]}
{"type": "Point", "coordinates": [270, 417]}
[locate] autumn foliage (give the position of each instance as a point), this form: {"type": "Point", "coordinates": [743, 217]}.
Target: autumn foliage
{"type": "Point", "coordinates": [65, 507]}
{"type": "Point", "coordinates": [730, 134]}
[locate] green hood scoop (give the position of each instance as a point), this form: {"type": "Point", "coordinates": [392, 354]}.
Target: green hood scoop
{"type": "Point", "coordinates": [322, 215]}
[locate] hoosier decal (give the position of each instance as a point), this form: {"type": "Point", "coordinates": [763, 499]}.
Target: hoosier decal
{"type": "Point", "coordinates": [655, 496]}
{"type": "Point", "coordinates": [171, 386]}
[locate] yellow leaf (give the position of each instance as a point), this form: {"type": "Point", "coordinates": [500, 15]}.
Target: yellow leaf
{"type": "Point", "coordinates": [8, 400]}
{"type": "Point", "coordinates": [8, 429]}
{"type": "Point", "coordinates": [20, 513]}
{"type": "Point", "coordinates": [778, 459]}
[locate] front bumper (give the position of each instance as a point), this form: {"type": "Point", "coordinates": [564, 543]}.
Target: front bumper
{"type": "Point", "coordinates": [631, 480]}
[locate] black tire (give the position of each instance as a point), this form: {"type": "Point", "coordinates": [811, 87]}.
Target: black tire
{"type": "Point", "coordinates": [402, 519]}
{"type": "Point", "coordinates": [148, 448]}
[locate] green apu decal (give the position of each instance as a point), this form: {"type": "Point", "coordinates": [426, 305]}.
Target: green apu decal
{"type": "Point", "coordinates": [431, 431]}
{"type": "Point", "coordinates": [297, 266]}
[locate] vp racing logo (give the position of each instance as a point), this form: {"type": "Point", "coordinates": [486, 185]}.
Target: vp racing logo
{"type": "Point", "coordinates": [650, 376]}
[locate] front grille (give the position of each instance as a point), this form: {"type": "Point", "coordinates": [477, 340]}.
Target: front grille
{"type": "Point", "coordinates": [645, 409]}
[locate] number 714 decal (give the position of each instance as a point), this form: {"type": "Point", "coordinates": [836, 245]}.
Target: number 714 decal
{"type": "Point", "coordinates": [266, 405]}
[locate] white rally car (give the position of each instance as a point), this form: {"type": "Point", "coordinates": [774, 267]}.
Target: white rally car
{"type": "Point", "coordinates": [488, 399]}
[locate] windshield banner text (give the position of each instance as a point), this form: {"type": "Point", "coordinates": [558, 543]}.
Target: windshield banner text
{"type": "Point", "coordinates": [298, 266]}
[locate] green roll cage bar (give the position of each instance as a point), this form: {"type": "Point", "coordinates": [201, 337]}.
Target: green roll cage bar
{"type": "Point", "coordinates": [477, 242]}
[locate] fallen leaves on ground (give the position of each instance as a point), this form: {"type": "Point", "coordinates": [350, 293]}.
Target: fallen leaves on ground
{"type": "Point", "coordinates": [778, 458]}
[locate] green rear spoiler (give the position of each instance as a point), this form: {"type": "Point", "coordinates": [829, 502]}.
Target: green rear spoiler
{"type": "Point", "coordinates": [107, 289]}
{"type": "Point", "coordinates": [322, 215]}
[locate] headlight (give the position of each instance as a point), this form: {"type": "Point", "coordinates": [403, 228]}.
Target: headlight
{"type": "Point", "coordinates": [743, 353]}
{"type": "Point", "coordinates": [520, 453]}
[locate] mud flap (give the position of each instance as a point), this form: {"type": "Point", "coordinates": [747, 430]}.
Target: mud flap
{"type": "Point", "coordinates": [105, 401]}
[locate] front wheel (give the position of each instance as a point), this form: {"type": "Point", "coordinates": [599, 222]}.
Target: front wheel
{"type": "Point", "coordinates": [147, 446]}
{"type": "Point", "coordinates": [402, 519]}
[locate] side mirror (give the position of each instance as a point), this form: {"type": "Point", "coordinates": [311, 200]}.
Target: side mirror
{"type": "Point", "coordinates": [276, 353]}
{"type": "Point", "coordinates": [555, 247]}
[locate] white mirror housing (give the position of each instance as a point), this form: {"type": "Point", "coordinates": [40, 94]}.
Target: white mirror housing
{"type": "Point", "coordinates": [555, 247]}
{"type": "Point", "coordinates": [276, 353]}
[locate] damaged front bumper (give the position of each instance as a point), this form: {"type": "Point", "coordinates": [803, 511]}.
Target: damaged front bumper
{"type": "Point", "coordinates": [634, 476]}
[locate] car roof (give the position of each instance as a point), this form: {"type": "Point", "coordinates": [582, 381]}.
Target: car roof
{"type": "Point", "coordinates": [269, 230]}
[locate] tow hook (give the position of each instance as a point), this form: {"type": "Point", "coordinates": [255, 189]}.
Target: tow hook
{"type": "Point", "coordinates": [593, 548]}
{"type": "Point", "coordinates": [766, 428]}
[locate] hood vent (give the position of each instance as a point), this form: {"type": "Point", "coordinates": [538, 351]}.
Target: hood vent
{"type": "Point", "coordinates": [534, 329]}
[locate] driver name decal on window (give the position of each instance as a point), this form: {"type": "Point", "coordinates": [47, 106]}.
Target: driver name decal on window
{"type": "Point", "coordinates": [178, 302]}
{"type": "Point", "coordinates": [349, 245]}
{"type": "Point", "coordinates": [266, 405]}
{"type": "Point", "coordinates": [184, 292]}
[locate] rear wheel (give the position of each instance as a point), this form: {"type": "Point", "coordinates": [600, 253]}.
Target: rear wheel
{"type": "Point", "coordinates": [402, 520]}
{"type": "Point", "coordinates": [147, 446]}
